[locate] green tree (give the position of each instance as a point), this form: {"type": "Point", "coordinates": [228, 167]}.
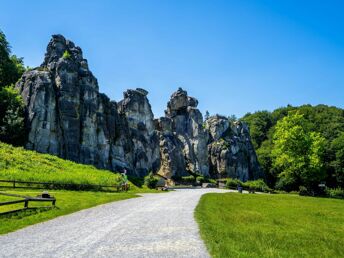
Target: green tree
{"type": "Point", "coordinates": [206, 116]}
{"type": "Point", "coordinates": [338, 163]}
{"type": "Point", "coordinates": [297, 153]}
{"type": "Point", "coordinates": [259, 124]}
{"type": "Point", "coordinates": [11, 67]}
{"type": "Point", "coordinates": [12, 128]}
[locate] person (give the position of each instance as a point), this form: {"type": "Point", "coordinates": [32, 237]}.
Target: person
{"type": "Point", "coordinates": [125, 184]}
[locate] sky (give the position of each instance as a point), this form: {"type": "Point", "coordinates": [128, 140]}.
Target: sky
{"type": "Point", "coordinates": [233, 56]}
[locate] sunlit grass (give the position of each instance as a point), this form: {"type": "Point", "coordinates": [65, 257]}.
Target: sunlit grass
{"type": "Point", "coordinates": [242, 225]}
{"type": "Point", "coordinates": [67, 202]}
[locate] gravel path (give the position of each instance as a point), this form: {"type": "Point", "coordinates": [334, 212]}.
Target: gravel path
{"type": "Point", "coordinates": [155, 225]}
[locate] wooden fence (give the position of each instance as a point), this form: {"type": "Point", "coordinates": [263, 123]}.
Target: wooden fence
{"type": "Point", "coordinates": [55, 185]}
{"type": "Point", "coordinates": [25, 200]}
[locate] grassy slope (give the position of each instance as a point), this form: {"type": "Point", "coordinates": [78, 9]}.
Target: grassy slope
{"type": "Point", "coordinates": [20, 164]}
{"type": "Point", "coordinates": [242, 225]}
{"type": "Point", "coordinates": [67, 202]}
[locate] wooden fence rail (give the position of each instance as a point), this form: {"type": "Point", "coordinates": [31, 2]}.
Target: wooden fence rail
{"type": "Point", "coordinates": [56, 185]}
{"type": "Point", "coordinates": [25, 200]}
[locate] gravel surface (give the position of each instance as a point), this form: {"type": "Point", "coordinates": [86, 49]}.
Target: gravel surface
{"type": "Point", "coordinates": [155, 225]}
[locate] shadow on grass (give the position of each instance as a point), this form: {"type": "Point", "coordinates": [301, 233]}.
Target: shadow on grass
{"type": "Point", "coordinates": [22, 213]}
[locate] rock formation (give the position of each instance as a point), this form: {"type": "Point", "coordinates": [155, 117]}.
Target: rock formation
{"type": "Point", "coordinates": [68, 117]}
{"type": "Point", "coordinates": [183, 138]}
{"type": "Point", "coordinates": [230, 150]}
{"type": "Point", "coordinates": [138, 112]}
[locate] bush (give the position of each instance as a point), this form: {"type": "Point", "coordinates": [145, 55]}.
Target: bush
{"type": "Point", "coordinates": [137, 181]}
{"type": "Point", "coordinates": [335, 192]}
{"type": "Point", "coordinates": [233, 183]}
{"type": "Point", "coordinates": [66, 55]}
{"type": "Point", "coordinates": [202, 179]}
{"type": "Point", "coordinates": [151, 181]}
{"type": "Point", "coordinates": [303, 191]}
{"type": "Point", "coordinates": [256, 185]}
{"type": "Point", "coordinates": [188, 179]}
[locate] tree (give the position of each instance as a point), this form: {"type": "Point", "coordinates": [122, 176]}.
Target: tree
{"type": "Point", "coordinates": [297, 153]}
{"type": "Point", "coordinates": [232, 118]}
{"type": "Point", "coordinates": [11, 67]}
{"type": "Point", "coordinates": [259, 124]}
{"type": "Point", "coordinates": [11, 116]}
{"type": "Point", "coordinates": [338, 163]}
{"type": "Point", "coordinates": [206, 116]}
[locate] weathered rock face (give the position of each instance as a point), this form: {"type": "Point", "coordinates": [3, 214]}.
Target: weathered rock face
{"type": "Point", "coordinates": [230, 150]}
{"type": "Point", "coordinates": [171, 150]}
{"type": "Point", "coordinates": [68, 117]}
{"type": "Point", "coordinates": [183, 140]}
{"type": "Point", "coordinates": [146, 152]}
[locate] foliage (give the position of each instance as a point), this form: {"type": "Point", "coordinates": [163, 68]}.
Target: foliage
{"type": "Point", "coordinates": [335, 192]}
{"type": "Point", "coordinates": [206, 116]}
{"type": "Point", "coordinates": [67, 202]}
{"type": "Point", "coordinates": [233, 183]}
{"type": "Point", "coordinates": [151, 181]}
{"type": "Point", "coordinates": [296, 153]}
{"type": "Point", "coordinates": [338, 163]}
{"type": "Point", "coordinates": [259, 124]}
{"type": "Point", "coordinates": [137, 181]}
{"type": "Point", "coordinates": [12, 129]}
{"type": "Point", "coordinates": [325, 120]}
{"type": "Point", "coordinates": [25, 165]}
{"type": "Point", "coordinates": [263, 225]}
{"type": "Point", "coordinates": [256, 185]}
{"type": "Point", "coordinates": [66, 55]}
{"type": "Point", "coordinates": [11, 67]}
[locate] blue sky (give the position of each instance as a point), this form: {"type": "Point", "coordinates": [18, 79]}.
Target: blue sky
{"type": "Point", "coordinates": [233, 56]}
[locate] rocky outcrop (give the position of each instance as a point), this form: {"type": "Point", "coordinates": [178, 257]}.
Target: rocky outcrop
{"type": "Point", "coordinates": [230, 150]}
{"type": "Point", "coordinates": [68, 117]}
{"type": "Point", "coordinates": [137, 110]}
{"type": "Point", "coordinates": [187, 126]}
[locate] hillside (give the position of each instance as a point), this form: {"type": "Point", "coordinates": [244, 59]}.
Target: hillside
{"type": "Point", "coordinates": [19, 164]}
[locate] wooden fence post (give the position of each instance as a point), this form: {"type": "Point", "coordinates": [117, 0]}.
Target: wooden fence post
{"type": "Point", "coordinates": [26, 204]}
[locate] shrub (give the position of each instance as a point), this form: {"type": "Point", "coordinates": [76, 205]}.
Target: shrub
{"type": "Point", "coordinates": [303, 191]}
{"type": "Point", "coordinates": [151, 181]}
{"type": "Point", "coordinates": [256, 185]}
{"type": "Point", "coordinates": [66, 55]}
{"type": "Point", "coordinates": [233, 183]}
{"type": "Point", "coordinates": [335, 192]}
{"type": "Point", "coordinates": [137, 181]}
{"type": "Point", "coordinates": [201, 179]}
{"type": "Point", "coordinates": [188, 179]}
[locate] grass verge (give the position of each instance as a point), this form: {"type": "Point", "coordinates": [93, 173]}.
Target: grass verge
{"type": "Point", "coordinates": [67, 202]}
{"type": "Point", "coordinates": [243, 225]}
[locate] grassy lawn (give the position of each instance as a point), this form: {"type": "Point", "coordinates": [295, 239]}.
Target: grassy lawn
{"type": "Point", "coordinates": [67, 202]}
{"type": "Point", "coordinates": [243, 225]}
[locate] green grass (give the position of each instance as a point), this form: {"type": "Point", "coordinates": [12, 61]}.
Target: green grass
{"type": "Point", "coordinates": [19, 164]}
{"type": "Point", "coordinates": [243, 225]}
{"type": "Point", "coordinates": [67, 202]}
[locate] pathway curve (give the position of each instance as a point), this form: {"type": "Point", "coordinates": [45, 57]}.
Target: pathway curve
{"type": "Point", "coordinates": [155, 225]}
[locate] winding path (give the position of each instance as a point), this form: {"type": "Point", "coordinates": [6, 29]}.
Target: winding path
{"type": "Point", "coordinates": [155, 225]}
